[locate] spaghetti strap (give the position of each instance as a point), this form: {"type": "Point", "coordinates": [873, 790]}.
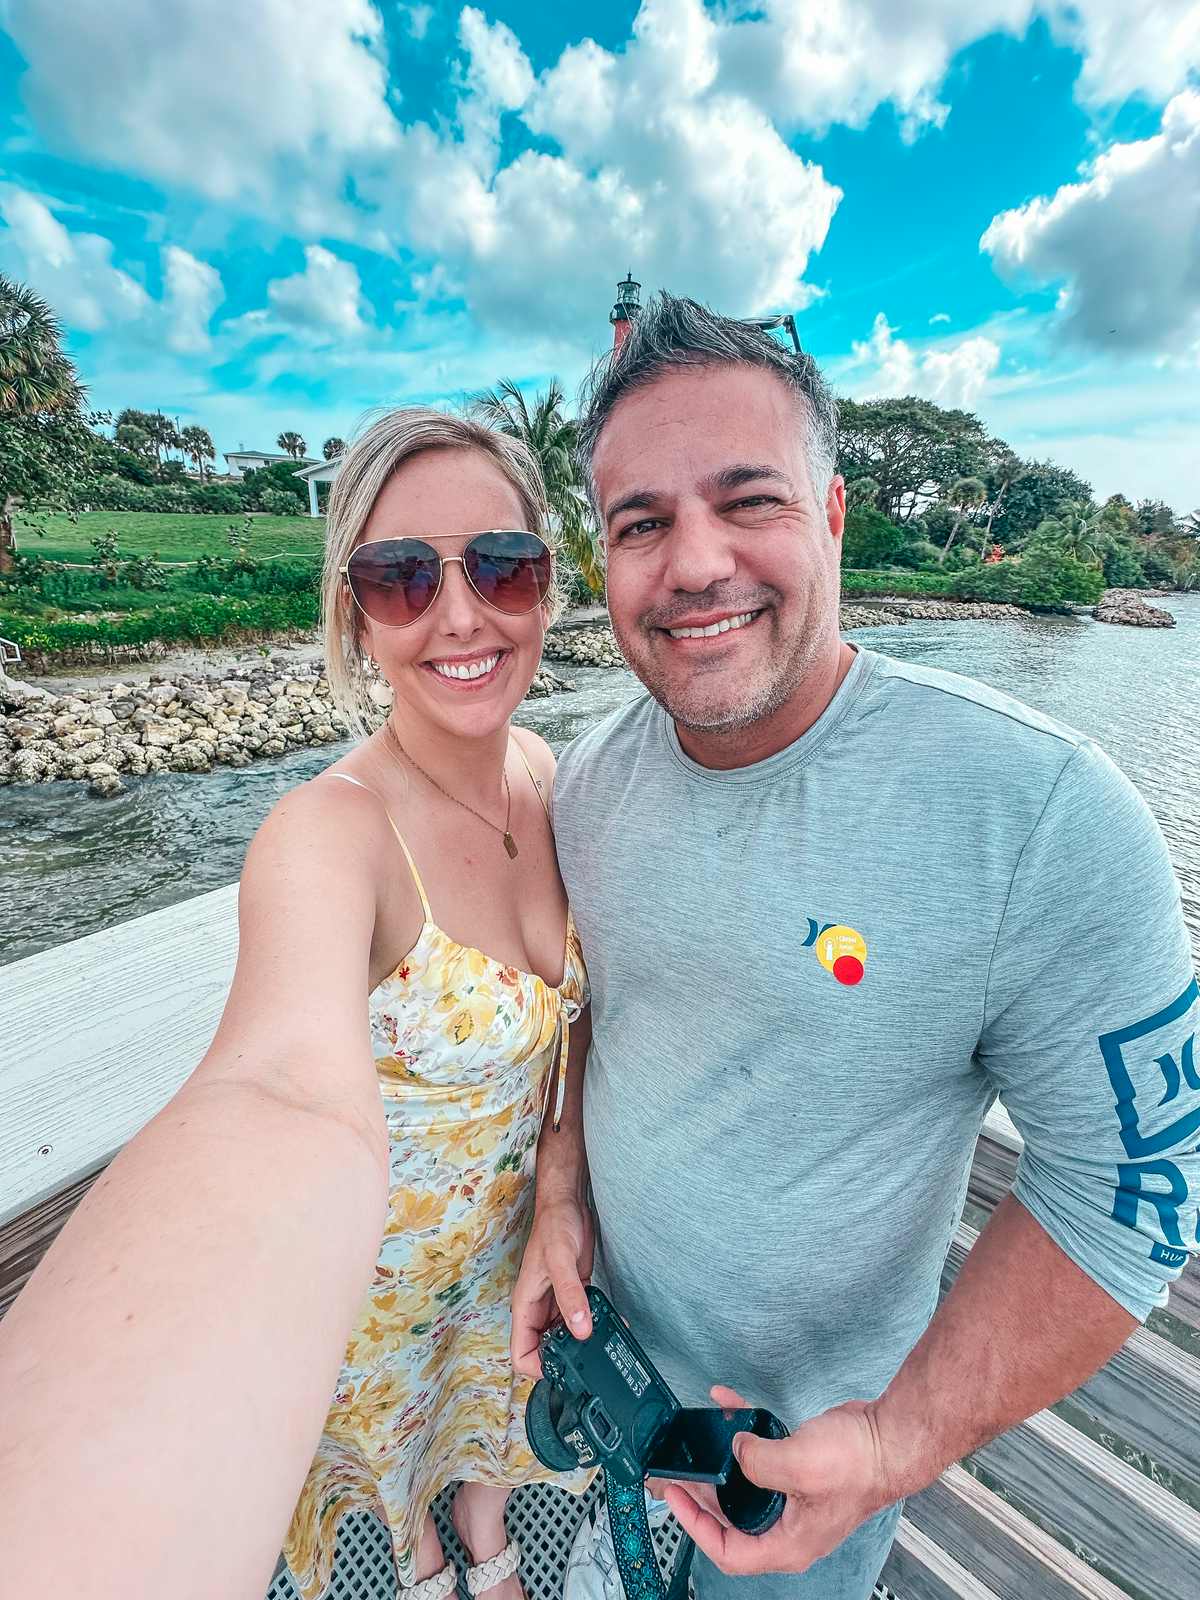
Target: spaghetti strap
{"type": "Point", "coordinates": [412, 865]}
{"type": "Point", "coordinates": [533, 778]}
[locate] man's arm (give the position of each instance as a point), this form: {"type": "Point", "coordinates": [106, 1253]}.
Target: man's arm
{"type": "Point", "coordinates": [558, 1256]}
{"type": "Point", "coordinates": [1022, 1326]}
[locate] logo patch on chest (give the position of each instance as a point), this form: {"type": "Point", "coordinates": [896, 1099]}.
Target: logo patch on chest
{"type": "Point", "coordinates": [840, 950]}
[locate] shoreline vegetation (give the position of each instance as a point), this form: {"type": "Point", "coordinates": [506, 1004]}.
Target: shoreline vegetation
{"type": "Point", "coordinates": [192, 710]}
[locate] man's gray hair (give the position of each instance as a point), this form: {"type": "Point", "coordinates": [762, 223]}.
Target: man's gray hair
{"type": "Point", "coordinates": [670, 333]}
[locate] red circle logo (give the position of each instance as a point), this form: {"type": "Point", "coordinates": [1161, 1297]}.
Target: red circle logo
{"type": "Point", "coordinates": [848, 969]}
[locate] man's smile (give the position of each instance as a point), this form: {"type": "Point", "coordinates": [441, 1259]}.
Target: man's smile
{"type": "Point", "coordinates": [710, 626]}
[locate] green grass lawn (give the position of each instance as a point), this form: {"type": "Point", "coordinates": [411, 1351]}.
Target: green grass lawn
{"type": "Point", "coordinates": [175, 535]}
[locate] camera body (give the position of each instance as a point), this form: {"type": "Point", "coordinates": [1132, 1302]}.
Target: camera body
{"type": "Point", "coordinates": [602, 1403]}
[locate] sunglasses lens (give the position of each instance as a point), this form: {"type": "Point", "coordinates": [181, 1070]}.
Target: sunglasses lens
{"type": "Point", "coordinates": [394, 580]}
{"type": "Point", "coordinates": [511, 571]}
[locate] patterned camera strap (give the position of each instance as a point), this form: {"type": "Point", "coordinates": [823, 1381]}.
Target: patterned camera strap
{"type": "Point", "coordinates": [634, 1544]}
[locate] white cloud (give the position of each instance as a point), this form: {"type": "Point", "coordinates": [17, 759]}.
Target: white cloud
{"type": "Point", "coordinates": [416, 19]}
{"type": "Point", "coordinates": [1148, 49]}
{"type": "Point", "coordinates": [325, 298]}
{"type": "Point", "coordinates": [76, 274]}
{"type": "Point", "coordinates": [498, 69]}
{"type": "Point", "coordinates": [951, 375]}
{"type": "Point", "coordinates": [956, 377]}
{"type": "Point", "coordinates": [647, 153]}
{"type": "Point", "coordinates": [939, 316]}
{"type": "Point", "coordinates": [236, 101]}
{"type": "Point", "coordinates": [73, 271]}
{"type": "Point", "coordinates": [814, 66]}
{"type": "Point", "coordinates": [1124, 241]}
{"type": "Point", "coordinates": [192, 291]}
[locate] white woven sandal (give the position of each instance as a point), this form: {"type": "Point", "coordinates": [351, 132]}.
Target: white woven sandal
{"type": "Point", "coordinates": [491, 1572]}
{"type": "Point", "coordinates": [439, 1587]}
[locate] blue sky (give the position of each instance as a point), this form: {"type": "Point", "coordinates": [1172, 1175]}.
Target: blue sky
{"type": "Point", "coordinates": [273, 216]}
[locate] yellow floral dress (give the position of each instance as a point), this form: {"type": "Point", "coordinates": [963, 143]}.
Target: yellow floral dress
{"type": "Point", "coordinates": [467, 1052]}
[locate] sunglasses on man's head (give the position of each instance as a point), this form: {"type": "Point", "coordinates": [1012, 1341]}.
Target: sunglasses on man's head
{"type": "Point", "coordinates": [395, 581]}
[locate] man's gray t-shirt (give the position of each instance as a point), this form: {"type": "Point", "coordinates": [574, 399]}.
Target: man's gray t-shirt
{"type": "Point", "coordinates": [811, 976]}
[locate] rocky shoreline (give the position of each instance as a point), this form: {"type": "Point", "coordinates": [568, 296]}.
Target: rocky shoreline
{"type": "Point", "coordinates": [1128, 607]}
{"type": "Point", "coordinates": [185, 723]}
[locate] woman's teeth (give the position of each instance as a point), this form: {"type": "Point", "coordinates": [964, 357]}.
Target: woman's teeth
{"type": "Point", "coordinates": [473, 669]}
{"type": "Point", "coordinates": [724, 626]}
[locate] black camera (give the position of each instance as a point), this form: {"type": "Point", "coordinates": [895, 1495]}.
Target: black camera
{"type": "Point", "coordinates": [601, 1403]}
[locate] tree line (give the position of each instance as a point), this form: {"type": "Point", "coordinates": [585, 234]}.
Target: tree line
{"type": "Point", "coordinates": [928, 488]}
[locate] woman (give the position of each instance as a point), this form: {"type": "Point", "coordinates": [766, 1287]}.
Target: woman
{"type": "Point", "coordinates": [449, 806]}
{"type": "Point", "coordinates": [398, 1022]}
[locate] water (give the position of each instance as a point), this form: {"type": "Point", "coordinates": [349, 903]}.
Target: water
{"type": "Point", "coordinates": [71, 864]}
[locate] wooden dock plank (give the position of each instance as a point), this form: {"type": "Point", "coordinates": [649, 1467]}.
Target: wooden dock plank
{"type": "Point", "coordinates": [1126, 1522]}
{"type": "Point", "coordinates": [152, 990]}
{"type": "Point", "coordinates": [25, 1239]}
{"type": "Point", "coordinates": [1148, 1394]}
{"type": "Point", "coordinates": [917, 1569]}
{"type": "Point", "coordinates": [992, 1540]}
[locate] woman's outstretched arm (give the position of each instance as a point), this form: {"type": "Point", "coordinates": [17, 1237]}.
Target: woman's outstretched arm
{"type": "Point", "coordinates": [165, 1374]}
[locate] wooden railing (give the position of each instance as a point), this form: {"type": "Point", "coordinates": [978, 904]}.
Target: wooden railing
{"type": "Point", "coordinates": [1097, 1499]}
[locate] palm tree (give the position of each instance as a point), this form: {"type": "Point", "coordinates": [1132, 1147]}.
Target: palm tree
{"type": "Point", "coordinates": [964, 494]}
{"type": "Point", "coordinates": [292, 443]}
{"type": "Point", "coordinates": [40, 394]}
{"type": "Point", "coordinates": [130, 436]}
{"type": "Point", "coordinates": [36, 376]}
{"type": "Point", "coordinates": [862, 492]}
{"type": "Point", "coordinates": [551, 437]}
{"type": "Point", "coordinates": [197, 443]}
{"type": "Point", "coordinates": [333, 448]}
{"type": "Point", "coordinates": [163, 434]}
{"type": "Point", "coordinates": [1077, 530]}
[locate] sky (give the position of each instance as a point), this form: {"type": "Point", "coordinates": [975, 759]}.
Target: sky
{"type": "Point", "coordinates": [281, 216]}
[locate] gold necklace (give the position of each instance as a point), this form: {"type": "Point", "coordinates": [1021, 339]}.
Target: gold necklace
{"type": "Point", "coordinates": [510, 844]}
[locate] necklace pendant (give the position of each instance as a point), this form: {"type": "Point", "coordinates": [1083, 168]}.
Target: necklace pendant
{"type": "Point", "coordinates": [510, 844]}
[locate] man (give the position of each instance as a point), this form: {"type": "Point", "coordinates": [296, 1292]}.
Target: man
{"type": "Point", "coordinates": [833, 904]}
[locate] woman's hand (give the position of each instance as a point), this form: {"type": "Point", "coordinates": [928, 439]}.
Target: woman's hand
{"type": "Point", "coordinates": [556, 1266]}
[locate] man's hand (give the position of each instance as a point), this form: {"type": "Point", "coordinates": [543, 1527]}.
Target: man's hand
{"type": "Point", "coordinates": [830, 1469]}
{"type": "Point", "coordinates": [556, 1266]}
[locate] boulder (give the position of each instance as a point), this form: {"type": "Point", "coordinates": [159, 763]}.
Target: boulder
{"type": "Point", "coordinates": [1124, 607]}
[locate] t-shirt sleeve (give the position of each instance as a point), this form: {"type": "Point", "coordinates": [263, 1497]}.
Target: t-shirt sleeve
{"type": "Point", "coordinates": [1090, 1035]}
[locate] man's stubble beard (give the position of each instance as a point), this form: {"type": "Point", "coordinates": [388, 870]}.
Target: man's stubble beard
{"type": "Point", "coordinates": [769, 698]}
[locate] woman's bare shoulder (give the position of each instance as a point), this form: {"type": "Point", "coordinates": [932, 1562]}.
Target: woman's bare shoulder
{"type": "Point", "coordinates": [537, 752]}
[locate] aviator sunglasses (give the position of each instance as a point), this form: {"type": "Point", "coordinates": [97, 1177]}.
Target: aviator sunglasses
{"type": "Point", "coordinates": [395, 581]}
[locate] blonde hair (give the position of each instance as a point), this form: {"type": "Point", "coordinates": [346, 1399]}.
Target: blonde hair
{"type": "Point", "coordinates": [366, 468]}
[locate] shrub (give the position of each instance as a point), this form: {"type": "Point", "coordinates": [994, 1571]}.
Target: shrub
{"type": "Point", "coordinates": [870, 539]}
{"type": "Point", "coordinates": [110, 492]}
{"type": "Point", "coordinates": [918, 554]}
{"type": "Point", "coordinates": [144, 572]}
{"type": "Point", "coordinates": [203, 620]}
{"type": "Point", "coordinates": [105, 558]}
{"type": "Point", "coordinates": [1044, 579]}
{"type": "Point", "coordinates": [1157, 565]}
{"type": "Point", "coordinates": [27, 572]}
{"type": "Point", "coordinates": [241, 574]}
{"type": "Point", "coordinates": [218, 498]}
{"type": "Point", "coordinates": [1122, 569]}
{"type": "Point", "coordinates": [280, 475]}
{"type": "Point", "coordinates": [278, 502]}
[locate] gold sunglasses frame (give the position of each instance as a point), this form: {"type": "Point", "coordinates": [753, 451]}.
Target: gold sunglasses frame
{"type": "Point", "coordinates": [446, 561]}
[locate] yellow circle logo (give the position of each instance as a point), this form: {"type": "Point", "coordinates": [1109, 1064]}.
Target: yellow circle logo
{"type": "Point", "coordinates": [843, 951]}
